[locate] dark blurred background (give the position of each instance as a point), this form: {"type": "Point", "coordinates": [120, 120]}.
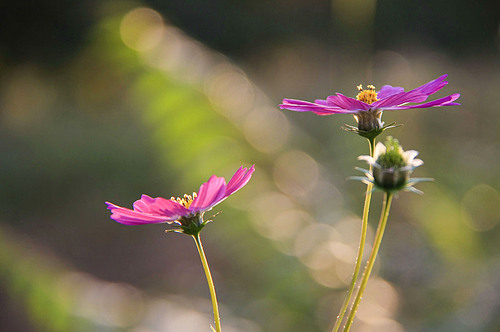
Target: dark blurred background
{"type": "Point", "coordinates": [106, 100]}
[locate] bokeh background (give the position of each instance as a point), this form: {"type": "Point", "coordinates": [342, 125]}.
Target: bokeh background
{"type": "Point", "coordinates": [106, 100]}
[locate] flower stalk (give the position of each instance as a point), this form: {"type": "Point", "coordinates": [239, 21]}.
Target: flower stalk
{"type": "Point", "coordinates": [361, 248]}
{"type": "Point", "coordinates": [210, 281]}
{"type": "Point", "coordinates": [371, 261]}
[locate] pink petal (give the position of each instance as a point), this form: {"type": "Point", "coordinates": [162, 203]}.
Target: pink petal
{"type": "Point", "coordinates": [446, 101]}
{"type": "Point", "coordinates": [296, 102]}
{"type": "Point", "coordinates": [320, 110]}
{"type": "Point", "coordinates": [160, 206]}
{"type": "Point", "coordinates": [323, 112]}
{"type": "Point", "coordinates": [417, 95]}
{"type": "Point", "coordinates": [389, 90]}
{"type": "Point", "coordinates": [399, 99]}
{"type": "Point", "coordinates": [305, 106]}
{"type": "Point", "coordinates": [142, 205]}
{"type": "Point", "coordinates": [169, 208]}
{"type": "Point", "coordinates": [432, 86]}
{"type": "Point", "coordinates": [239, 180]}
{"type": "Point", "coordinates": [321, 102]}
{"type": "Point", "coordinates": [348, 104]}
{"type": "Point", "coordinates": [130, 217]}
{"type": "Point", "coordinates": [210, 193]}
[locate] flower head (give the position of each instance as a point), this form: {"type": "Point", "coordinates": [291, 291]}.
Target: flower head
{"type": "Point", "coordinates": [392, 167]}
{"type": "Point", "coordinates": [187, 211]}
{"type": "Point", "coordinates": [369, 104]}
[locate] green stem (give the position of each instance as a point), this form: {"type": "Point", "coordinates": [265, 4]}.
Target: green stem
{"type": "Point", "coordinates": [371, 261]}
{"type": "Point", "coordinates": [361, 249]}
{"type": "Point", "coordinates": [210, 282]}
{"type": "Point", "coordinates": [372, 146]}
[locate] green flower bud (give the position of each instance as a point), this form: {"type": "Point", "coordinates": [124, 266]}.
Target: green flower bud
{"type": "Point", "coordinates": [392, 167]}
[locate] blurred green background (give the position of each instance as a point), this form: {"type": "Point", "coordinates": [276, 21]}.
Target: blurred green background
{"type": "Point", "coordinates": [106, 100]}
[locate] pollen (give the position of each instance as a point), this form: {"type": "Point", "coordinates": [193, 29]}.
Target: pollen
{"type": "Point", "coordinates": [368, 96]}
{"type": "Point", "coordinates": [184, 201]}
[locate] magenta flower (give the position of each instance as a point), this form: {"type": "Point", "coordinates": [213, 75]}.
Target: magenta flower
{"type": "Point", "coordinates": [183, 211]}
{"type": "Point", "coordinates": [368, 105]}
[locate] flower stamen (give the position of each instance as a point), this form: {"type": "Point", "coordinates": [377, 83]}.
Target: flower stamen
{"type": "Point", "coordinates": [368, 96]}
{"type": "Point", "coordinates": [185, 201]}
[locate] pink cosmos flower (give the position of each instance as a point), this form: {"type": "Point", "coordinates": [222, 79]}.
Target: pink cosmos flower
{"type": "Point", "coordinates": [368, 105]}
{"type": "Point", "coordinates": [182, 211]}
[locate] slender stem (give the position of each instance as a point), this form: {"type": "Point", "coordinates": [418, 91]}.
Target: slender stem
{"type": "Point", "coordinates": [361, 249]}
{"type": "Point", "coordinates": [210, 282]}
{"type": "Point", "coordinates": [371, 261]}
{"type": "Point", "coordinates": [372, 146]}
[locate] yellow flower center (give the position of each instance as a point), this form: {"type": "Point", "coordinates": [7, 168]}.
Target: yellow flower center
{"type": "Point", "coordinates": [368, 96]}
{"type": "Point", "coordinates": [185, 201]}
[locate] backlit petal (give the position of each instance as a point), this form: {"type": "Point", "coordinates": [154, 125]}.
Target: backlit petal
{"type": "Point", "coordinates": [160, 206]}
{"type": "Point", "coordinates": [400, 98]}
{"type": "Point", "coordinates": [239, 180]}
{"type": "Point", "coordinates": [130, 217]}
{"type": "Point", "coordinates": [305, 106]}
{"type": "Point", "coordinates": [389, 90]}
{"type": "Point", "coordinates": [446, 101]}
{"type": "Point", "coordinates": [347, 103]}
{"type": "Point", "coordinates": [210, 193]}
{"type": "Point", "coordinates": [432, 86]}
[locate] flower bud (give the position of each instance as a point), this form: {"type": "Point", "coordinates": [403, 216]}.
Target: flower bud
{"type": "Point", "coordinates": [392, 166]}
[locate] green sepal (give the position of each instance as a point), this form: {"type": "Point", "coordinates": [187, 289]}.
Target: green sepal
{"type": "Point", "coordinates": [189, 225]}
{"type": "Point", "coordinates": [406, 187]}
{"type": "Point", "coordinates": [418, 180]}
{"type": "Point", "coordinates": [192, 229]}
{"type": "Point", "coordinates": [363, 170]}
{"type": "Point", "coordinates": [359, 178]}
{"type": "Point", "coordinates": [372, 134]}
{"type": "Point", "coordinates": [414, 190]}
